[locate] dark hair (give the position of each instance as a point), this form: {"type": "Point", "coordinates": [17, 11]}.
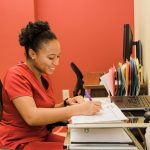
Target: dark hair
{"type": "Point", "coordinates": [34, 34]}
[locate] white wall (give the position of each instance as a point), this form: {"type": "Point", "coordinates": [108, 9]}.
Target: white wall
{"type": "Point", "coordinates": [142, 32]}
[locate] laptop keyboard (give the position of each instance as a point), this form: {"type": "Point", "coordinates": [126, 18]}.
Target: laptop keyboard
{"type": "Point", "coordinates": [138, 101]}
{"type": "Point", "coordinates": [132, 101]}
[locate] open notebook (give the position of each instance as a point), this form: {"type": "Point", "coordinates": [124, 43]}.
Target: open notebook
{"type": "Point", "coordinates": [109, 113]}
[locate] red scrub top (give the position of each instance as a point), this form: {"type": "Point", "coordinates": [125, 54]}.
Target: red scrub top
{"type": "Point", "coordinates": [20, 81]}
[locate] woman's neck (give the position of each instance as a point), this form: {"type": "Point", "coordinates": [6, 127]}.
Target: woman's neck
{"type": "Point", "coordinates": [33, 69]}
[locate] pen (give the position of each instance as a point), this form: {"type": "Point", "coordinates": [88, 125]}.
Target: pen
{"type": "Point", "coordinates": [87, 94]}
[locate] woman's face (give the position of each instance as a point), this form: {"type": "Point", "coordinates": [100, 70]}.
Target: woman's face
{"type": "Point", "coordinates": [47, 57]}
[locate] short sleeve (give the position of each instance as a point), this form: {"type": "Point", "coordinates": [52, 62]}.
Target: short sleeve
{"type": "Point", "coordinates": [17, 85]}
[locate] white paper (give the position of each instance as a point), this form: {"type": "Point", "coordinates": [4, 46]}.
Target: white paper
{"type": "Point", "coordinates": [109, 113]}
{"type": "Point", "coordinates": [108, 80]}
{"type": "Point", "coordinates": [105, 82]}
{"type": "Point", "coordinates": [102, 100]}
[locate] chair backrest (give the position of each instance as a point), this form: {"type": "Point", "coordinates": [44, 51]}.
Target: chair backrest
{"type": "Point", "coordinates": [1, 104]}
{"type": "Point", "coordinates": [78, 90]}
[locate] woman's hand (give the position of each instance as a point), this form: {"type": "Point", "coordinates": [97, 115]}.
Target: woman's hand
{"type": "Point", "coordinates": [89, 108]}
{"type": "Point", "coordinates": [75, 100]}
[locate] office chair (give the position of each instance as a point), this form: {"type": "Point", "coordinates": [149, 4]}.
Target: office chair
{"type": "Point", "coordinates": [1, 106]}
{"type": "Point", "coordinates": [78, 89]}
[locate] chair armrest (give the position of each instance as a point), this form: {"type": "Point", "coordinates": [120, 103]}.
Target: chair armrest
{"type": "Point", "coordinates": [147, 116]}
{"type": "Point", "coordinates": [53, 125]}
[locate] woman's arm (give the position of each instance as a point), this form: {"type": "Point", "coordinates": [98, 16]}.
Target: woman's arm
{"type": "Point", "coordinates": [59, 105]}
{"type": "Point", "coordinates": [71, 101]}
{"type": "Point", "coordinates": [34, 116]}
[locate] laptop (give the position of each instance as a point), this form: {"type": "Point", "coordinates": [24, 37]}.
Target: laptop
{"type": "Point", "coordinates": [132, 102]}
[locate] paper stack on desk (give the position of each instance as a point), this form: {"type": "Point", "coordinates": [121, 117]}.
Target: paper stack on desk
{"type": "Point", "coordinates": [110, 113]}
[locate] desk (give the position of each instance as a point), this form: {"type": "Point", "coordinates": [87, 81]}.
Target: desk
{"type": "Point", "coordinates": [92, 82]}
{"type": "Point", "coordinates": [129, 125]}
{"type": "Point", "coordinates": [89, 146]}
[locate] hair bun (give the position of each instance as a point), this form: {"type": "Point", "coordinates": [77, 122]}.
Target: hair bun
{"type": "Point", "coordinates": [31, 31]}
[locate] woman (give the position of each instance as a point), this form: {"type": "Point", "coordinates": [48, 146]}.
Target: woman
{"type": "Point", "coordinates": [28, 100]}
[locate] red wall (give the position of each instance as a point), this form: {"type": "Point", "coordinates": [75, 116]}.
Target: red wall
{"type": "Point", "coordinates": [14, 15]}
{"type": "Point", "coordinates": [90, 32]}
